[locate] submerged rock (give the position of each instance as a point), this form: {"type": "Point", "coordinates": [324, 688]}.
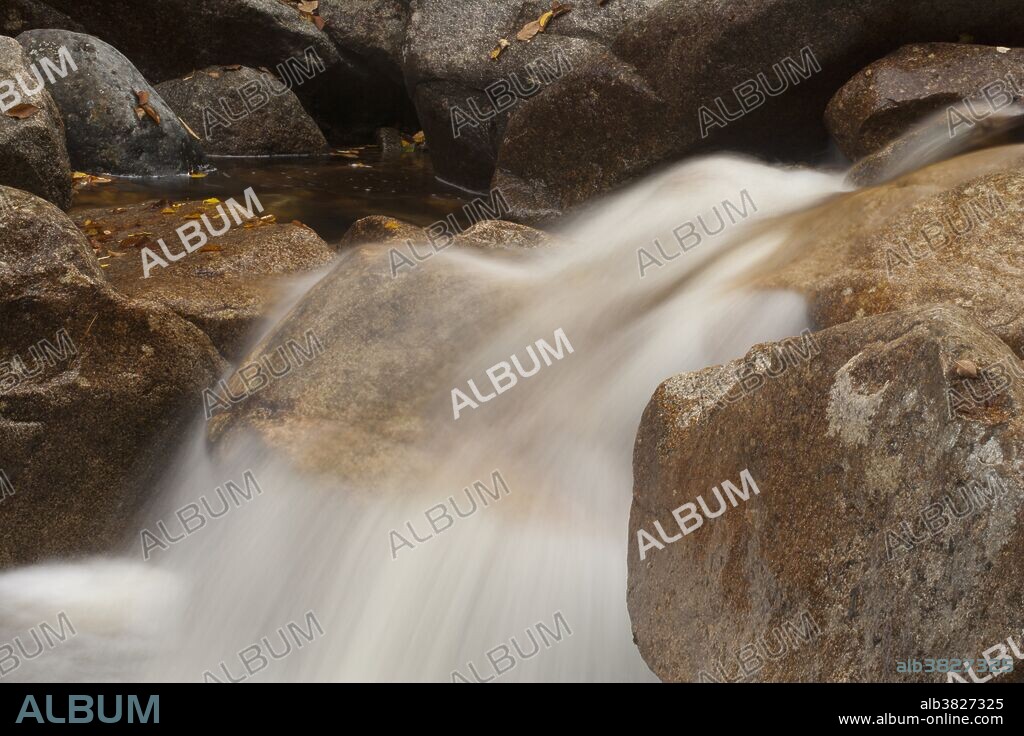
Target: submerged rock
{"type": "Point", "coordinates": [361, 411]}
{"type": "Point", "coordinates": [238, 111]}
{"type": "Point", "coordinates": [98, 102]}
{"type": "Point", "coordinates": [948, 234]}
{"type": "Point", "coordinates": [840, 512]}
{"type": "Point", "coordinates": [225, 288]}
{"type": "Point", "coordinates": [33, 155]}
{"type": "Point", "coordinates": [93, 389]}
{"type": "Point", "coordinates": [888, 97]}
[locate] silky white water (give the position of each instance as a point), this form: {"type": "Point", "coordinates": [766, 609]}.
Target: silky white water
{"type": "Point", "coordinates": [562, 440]}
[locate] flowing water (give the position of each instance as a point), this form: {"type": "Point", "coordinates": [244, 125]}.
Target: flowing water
{"type": "Point", "coordinates": [562, 441]}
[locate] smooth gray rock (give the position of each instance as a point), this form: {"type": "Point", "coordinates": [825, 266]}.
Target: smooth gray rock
{"type": "Point", "coordinates": [243, 112]}
{"type": "Point", "coordinates": [97, 102]}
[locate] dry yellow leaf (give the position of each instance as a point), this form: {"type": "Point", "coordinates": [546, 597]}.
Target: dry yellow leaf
{"type": "Point", "coordinates": [496, 51]}
{"type": "Point", "coordinates": [211, 200]}
{"type": "Point", "coordinates": [197, 175]}
{"type": "Point", "coordinates": [545, 19]}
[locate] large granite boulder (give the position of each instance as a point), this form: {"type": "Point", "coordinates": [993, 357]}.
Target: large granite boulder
{"type": "Point", "coordinates": [888, 97]}
{"type": "Point", "coordinates": [94, 389]}
{"type": "Point", "coordinates": [33, 155]}
{"type": "Point", "coordinates": [825, 510]}
{"type": "Point", "coordinates": [238, 111]}
{"type": "Point", "coordinates": [100, 101]}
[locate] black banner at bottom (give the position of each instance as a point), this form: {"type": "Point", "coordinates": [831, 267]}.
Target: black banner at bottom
{"type": "Point", "coordinates": [175, 707]}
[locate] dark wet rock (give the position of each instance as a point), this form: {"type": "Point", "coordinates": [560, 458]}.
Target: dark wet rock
{"type": "Point", "coordinates": [390, 142]}
{"type": "Point", "coordinates": [828, 572]}
{"type": "Point", "coordinates": [86, 421]}
{"type": "Point", "coordinates": [167, 39]}
{"type": "Point", "coordinates": [227, 287]}
{"type": "Point", "coordinates": [448, 71]}
{"type": "Point", "coordinates": [683, 57]}
{"type": "Point", "coordinates": [888, 97]}
{"type": "Point", "coordinates": [33, 155]}
{"type": "Point", "coordinates": [359, 412]}
{"type": "Point", "coordinates": [98, 105]}
{"type": "Point", "coordinates": [373, 30]}
{"type": "Point", "coordinates": [17, 16]}
{"type": "Point", "coordinates": [948, 234]}
{"type": "Point", "coordinates": [243, 112]}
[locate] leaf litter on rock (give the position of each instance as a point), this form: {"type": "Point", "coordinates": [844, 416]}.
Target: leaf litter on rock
{"type": "Point", "coordinates": [22, 111]}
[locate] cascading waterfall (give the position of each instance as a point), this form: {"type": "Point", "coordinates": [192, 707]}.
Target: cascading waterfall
{"type": "Point", "coordinates": [562, 439]}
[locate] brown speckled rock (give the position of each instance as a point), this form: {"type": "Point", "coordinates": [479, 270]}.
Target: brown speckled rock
{"type": "Point", "coordinates": [86, 423]}
{"type": "Point", "coordinates": [243, 112]}
{"type": "Point", "coordinates": [225, 288]}
{"type": "Point", "coordinates": [887, 97]}
{"type": "Point", "coordinates": [814, 577]}
{"type": "Point", "coordinates": [948, 234]}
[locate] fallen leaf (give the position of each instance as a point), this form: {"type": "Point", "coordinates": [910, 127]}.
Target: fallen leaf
{"type": "Point", "coordinates": [143, 96]}
{"type": "Point", "coordinates": [420, 138]}
{"type": "Point", "coordinates": [269, 218]}
{"type": "Point", "coordinates": [966, 368]}
{"type": "Point", "coordinates": [308, 6]}
{"type": "Point", "coordinates": [528, 31]}
{"type": "Point", "coordinates": [213, 75]}
{"type": "Point", "coordinates": [233, 67]}
{"type": "Point", "coordinates": [496, 51]}
{"type": "Point", "coordinates": [118, 210]}
{"type": "Point", "coordinates": [79, 175]}
{"type": "Point", "coordinates": [168, 211]}
{"type": "Point", "coordinates": [545, 19]}
{"type": "Point", "coordinates": [152, 113]}
{"type": "Point", "coordinates": [210, 249]}
{"type": "Point", "coordinates": [194, 215]}
{"type": "Point", "coordinates": [559, 8]}
{"type": "Point", "coordinates": [22, 111]}
{"type": "Point", "coordinates": [197, 175]}
{"type": "Point", "coordinates": [320, 22]}
{"type": "Point", "coordinates": [140, 113]}
{"type": "Point", "coordinates": [211, 200]}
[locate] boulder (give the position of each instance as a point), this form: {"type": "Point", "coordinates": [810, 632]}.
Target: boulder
{"type": "Point", "coordinates": [238, 111]}
{"type": "Point", "coordinates": [373, 30]}
{"type": "Point", "coordinates": [167, 39]}
{"type": "Point", "coordinates": [33, 155]}
{"type": "Point", "coordinates": [94, 388]}
{"type": "Point", "coordinates": [17, 16]}
{"type": "Point", "coordinates": [857, 520]}
{"type": "Point", "coordinates": [360, 410]}
{"type": "Point", "coordinates": [227, 287]}
{"type": "Point", "coordinates": [98, 102]}
{"type": "Point", "coordinates": [948, 234]}
{"type": "Point", "coordinates": [695, 94]}
{"type": "Point", "coordinates": [888, 97]}
{"type": "Point", "coordinates": [448, 71]}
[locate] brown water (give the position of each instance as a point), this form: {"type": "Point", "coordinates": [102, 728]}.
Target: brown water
{"type": "Point", "coordinates": [328, 193]}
